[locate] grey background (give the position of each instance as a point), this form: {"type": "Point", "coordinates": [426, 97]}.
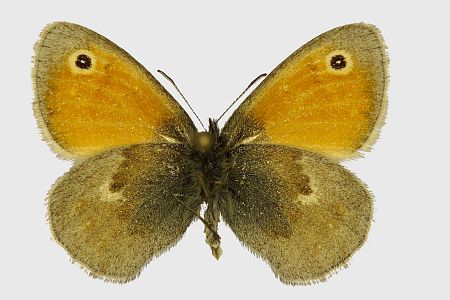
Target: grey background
{"type": "Point", "coordinates": [213, 51]}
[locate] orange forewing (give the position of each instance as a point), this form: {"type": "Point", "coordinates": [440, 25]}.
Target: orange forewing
{"type": "Point", "coordinates": [116, 102]}
{"type": "Point", "coordinates": [330, 113]}
{"type": "Point", "coordinates": [87, 118]}
{"type": "Point", "coordinates": [304, 103]}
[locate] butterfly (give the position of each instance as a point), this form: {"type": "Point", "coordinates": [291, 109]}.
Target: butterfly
{"type": "Point", "coordinates": [142, 170]}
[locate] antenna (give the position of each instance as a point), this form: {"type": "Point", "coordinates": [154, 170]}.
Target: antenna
{"type": "Point", "coordinates": [249, 86]}
{"type": "Point", "coordinates": [178, 90]}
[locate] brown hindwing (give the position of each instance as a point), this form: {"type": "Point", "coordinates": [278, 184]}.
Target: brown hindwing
{"type": "Point", "coordinates": [304, 214]}
{"type": "Point", "coordinates": [116, 211]}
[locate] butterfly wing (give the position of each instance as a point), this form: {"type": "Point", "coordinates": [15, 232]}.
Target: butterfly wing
{"type": "Point", "coordinates": [92, 96]}
{"type": "Point", "coordinates": [115, 211]}
{"type": "Point", "coordinates": [328, 97]}
{"type": "Point", "coordinates": [301, 212]}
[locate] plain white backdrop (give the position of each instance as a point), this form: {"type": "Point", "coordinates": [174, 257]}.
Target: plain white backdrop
{"type": "Point", "coordinates": [213, 51]}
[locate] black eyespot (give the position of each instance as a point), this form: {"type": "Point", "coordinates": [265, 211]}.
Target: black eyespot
{"type": "Point", "coordinates": [83, 61]}
{"type": "Point", "coordinates": [338, 62]}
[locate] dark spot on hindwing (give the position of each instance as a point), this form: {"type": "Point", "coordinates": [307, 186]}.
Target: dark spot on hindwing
{"type": "Point", "coordinates": [338, 62]}
{"type": "Point", "coordinates": [303, 185]}
{"type": "Point", "coordinates": [83, 61]}
{"type": "Point", "coordinates": [115, 185]}
{"type": "Point", "coordinates": [121, 176]}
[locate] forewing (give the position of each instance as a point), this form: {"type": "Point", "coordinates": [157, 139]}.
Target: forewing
{"type": "Point", "coordinates": [328, 97]}
{"type": "Point", "coordinates": [116, 211]}
{"type": "Point", "coordinates": [304, 214]}
{"type": "Point", "coordinates": [92, 96]}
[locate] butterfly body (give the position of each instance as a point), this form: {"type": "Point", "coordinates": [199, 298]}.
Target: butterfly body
{"type": "Point", "coordinates": [209, 155]}
{"type": "Point", "coordinates": [272, 174]}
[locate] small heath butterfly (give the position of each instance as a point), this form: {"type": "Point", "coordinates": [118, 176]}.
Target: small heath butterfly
{"type": "Point", "coordinates": [142, 169]}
